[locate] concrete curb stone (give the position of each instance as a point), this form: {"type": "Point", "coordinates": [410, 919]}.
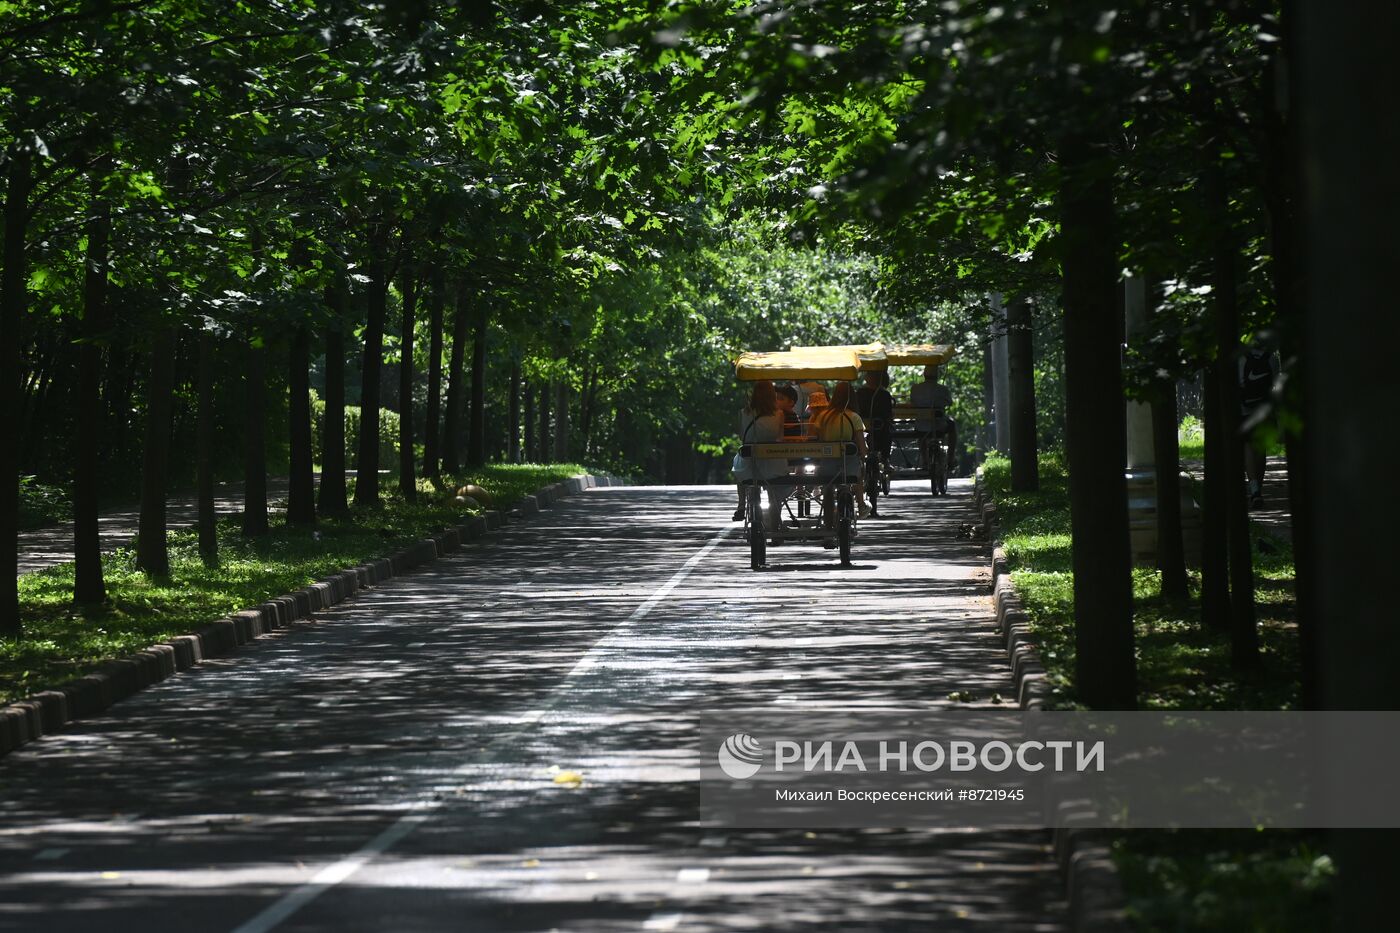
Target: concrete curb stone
{"type": "Point", "coordinates": [49, 711]}
{"type": "Point", "coordinates": [1094, 887]}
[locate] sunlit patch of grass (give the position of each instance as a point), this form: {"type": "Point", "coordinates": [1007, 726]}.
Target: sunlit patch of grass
{"type": "Point", "coordinates": [1181, 665]}
{"type": "Point", "coordinates": [61, 641]}
{"type": "Point", "coordinates": [1209, 880]}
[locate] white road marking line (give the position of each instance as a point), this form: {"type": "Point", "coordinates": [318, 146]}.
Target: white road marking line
{"type": "Point", "coordinates": [334, 874]}
{"type": "Point", "coordinates": [663, 921]}
{"type": "Point", "coordinates": [49, 855]}
{"type": "Point", "coordinates": [693, 875]}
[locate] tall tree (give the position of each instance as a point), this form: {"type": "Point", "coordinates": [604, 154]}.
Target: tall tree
{"type": "Point", "coordinates": [1025, 464]}
{"type": "Point", "coordinates": [301, 483]}
{"type": "Point", "coordinates": [88, 584]}
{"type": "Point", "coordinates": [1244, 635]}
{"type": "Point", "coordinates": [331, 495]}
{"type": "Point", "coordinates": [1350, 204]}
{"type": "Point", "coordinates": [476, 436]}
{"type": "Point", "coordinates": [1095, 429]}
{"type": "Point", "coordinates": [408, 483]}
{"type": "Point", "coordinates": [207, 521]}
{"type": "Point", "coordinates": [456, 376]}
{"type": "Point", "coordinates": [513, 412]}
{"type": "Point", "coordinates": [152, 548]}
{"type": "Point", "coordinates": [432, 458]}
{"type": "Point", "coordinates": [372, 364]}
{"type": "Point", "coordinates": [561, 421]}
{"type": "Point", "coordinates": [1171, 550]}
{"type": "Point", "coordinates": [528, 417]}
{"type": "Point", "coordinates": [255, 437]}
{"type": "Point", "coordinates": [13, 307]}
{"type": "Point", "coordinates": [545, 434]}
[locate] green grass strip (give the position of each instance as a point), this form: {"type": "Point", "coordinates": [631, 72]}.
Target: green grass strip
{"type": "Point", "coordinates": [61, 641]}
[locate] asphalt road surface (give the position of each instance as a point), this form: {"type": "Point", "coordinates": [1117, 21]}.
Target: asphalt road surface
{"type": "Point", "coordinates": [390, 764]}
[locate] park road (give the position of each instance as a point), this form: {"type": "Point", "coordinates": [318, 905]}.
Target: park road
{"type": "Point", "coordinates": [390, 764]}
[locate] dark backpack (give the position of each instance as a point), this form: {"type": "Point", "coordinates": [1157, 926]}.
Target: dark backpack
{"type": "Point", "coordinates": [1258, 382]}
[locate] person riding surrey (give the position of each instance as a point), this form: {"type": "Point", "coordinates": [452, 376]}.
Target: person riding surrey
{"type": "Point", "coordinates": [814, 399]}
{"type": "Point", "coordinates": [1257, 373]}
{"type": "Point", "coordinates": [933, 394]}
{"type": "Point", "coordinates": [787, 407]}
{"type": "Point", "coordinates": [760, 423]}
{"type": "Point", "coordinates": [875, 404]}
{"type": "Point", "coordinates": [837, 422]}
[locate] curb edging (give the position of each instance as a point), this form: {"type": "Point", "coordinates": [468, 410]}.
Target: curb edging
{"type": "Point", "coordinates": [1092, 881]}
{"type": "Point", "coordinates": [48, 711]}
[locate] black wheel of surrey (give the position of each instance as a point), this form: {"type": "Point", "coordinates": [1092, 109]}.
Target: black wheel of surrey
{"type": "Point", "coordinates": [843, 528]}
{"type": "Point", "coordinates": [885, 480]}
{"type": "Point", "coordinates": [756, 536]}
{"type": "Point", "coordinates": [943, 474]}
{"type": "Point", "coordinates": [872, 470]}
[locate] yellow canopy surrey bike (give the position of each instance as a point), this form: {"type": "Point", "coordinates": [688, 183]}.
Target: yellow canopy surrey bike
{"type": "Point", "coordinates": [917, 446]}
{"type": "Point", "coordinates": [802, 470]}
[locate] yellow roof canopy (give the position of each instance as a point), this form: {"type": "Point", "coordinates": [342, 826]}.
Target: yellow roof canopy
{"type": "Point", "coordinates": [809, 363]}
{"type": "Point", "coordinates": [868, 355]}
{"type": "Point", "coordinates": [918, 354]}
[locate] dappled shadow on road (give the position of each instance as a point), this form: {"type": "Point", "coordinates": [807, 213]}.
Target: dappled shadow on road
{"type": "Point", "coordinates": [458, 688]}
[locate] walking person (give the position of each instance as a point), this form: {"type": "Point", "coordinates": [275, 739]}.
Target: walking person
{"type": "Point", "coordinates": [1257, 374]}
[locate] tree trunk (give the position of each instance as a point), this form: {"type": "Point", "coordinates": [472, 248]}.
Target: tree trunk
{"type": "Point", "coordinates": [1025, 463]}
{"type": "Point", "coordinates": [1171, 550]}
{"type": "Point", "coordinates": [204, 453]}
{"type": "Point", "coordinates": [456, 390]}
{"type": "Point", "coordinates": [13, 308]}
{"type": "Point", "coordinates": [408, 482]}
{"type": "Point", "coordinates": [476, 437]}
{"type": "Point", "coordinates": [1096, 432]}
{"type": "Point", "coordinates": [513, 419]}
{"type": "Point", "coordinates": [1215, 552]}
{"type": "Point", "coordinates": [88, 585]}
{"type": "Point", "coordinates": [988, 402]}
{"type": "Point", "coordinates": [590, 403]}
{"type": "Point", "coordinates": [1282, 184]}
{"type": "Point", "coordinates": [255, 441]}
{"type": "Point", "coordinates": [301, 485]}
{"type": "Point", "coordinates": [1244, 634]}
{"type": "Point", "coordinates": [332, 492]}
{"type": "Point", "coordinates": [1349, 213]}
{"type": "Point", "coordinates": [367, 451]}
{"type": "Point", "coordinates": [544, 432]}
{"type": "Point", "coordinates": [561, 422]}
{"type": "Point", "coordinates": [431, 432]}
{"type": "Point", "coordinates": [152, 550]}
{"type": "Point", "coordinates": [531, 453]}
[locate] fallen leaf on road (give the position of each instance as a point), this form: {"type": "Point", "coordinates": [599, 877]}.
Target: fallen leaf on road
{"type": "Point", "coordinates": [530, 863]}
{"type": "Point", "coordinates": [570, 778]}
